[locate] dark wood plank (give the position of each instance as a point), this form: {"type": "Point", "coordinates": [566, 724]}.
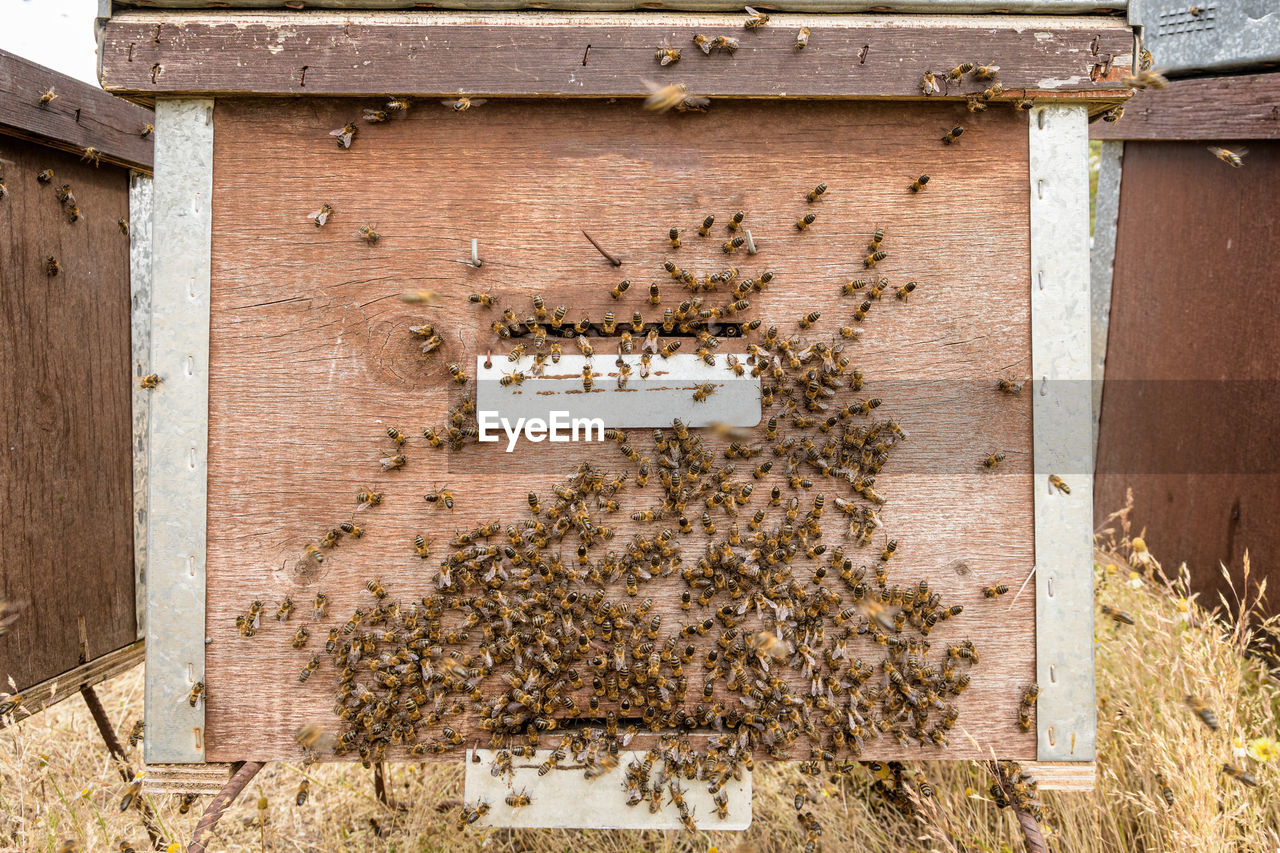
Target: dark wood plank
{"type": "Point", "coordinates": [80, 117]}
{"type": "Point", "coordinates": [310, 361]}
{"type": "Point", "coordinates": [66, 477]}
{"type": "Point", "coordinates": [1212, 108]}
{"type": "Point", "coordinates": [1191, 404]}
{"type": "Point", "coordinates": [435, 54]}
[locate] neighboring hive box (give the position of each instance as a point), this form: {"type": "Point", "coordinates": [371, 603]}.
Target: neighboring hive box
{"type": "Point", "coordinates": [70, 227]}
{"type": "Point", "coordinates": [311, 356]}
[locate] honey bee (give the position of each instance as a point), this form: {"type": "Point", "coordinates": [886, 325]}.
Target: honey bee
{"type": "Point", "coordinates": [1244, 777]}
{"type": "Point", "coordinates": [321, 606]}
{"type": "Point", "coordinates": [952, 135]}
{"type": "Point", "coordinates": [1008, 386]}
{"type": "Point", "coordinates": [974, 104]}
{"type": "Point", "coordinates": [929, 84]}
{"type": "Point", "coordinates": [555, 352]}
{"type": "Point", "coordinates": [703, 392]}
{"type": "Point", "coordinates": [557, 317]}
{"type": "Point", "coordinates": [705, 228]}
{"type": "Point", "coordinates": [663, 98]}
{"type": "Point", "coordinates": [147, 130]}
{"type": "Point", "coordinates": [733, 245]}
{"type": "Point", "coordinates": [369, 234]}
{"type": "Point", "coordinates": [668, 56]}
{"type": "Point", "coordinates": [809, 319]}
{"type": "Point", "coordinates": [397, 105]}
{"type": "Point", "coordinates": [321, 216]}
{"type": "Point", "coordinates": [735, 221]}
{"type": "Point", "coordinates": [669, 348]}
{"type": "Point", "coordinates": [368, 497]}
{"type": "Point", "coordinates": [874, 258]}
{"type": "Point", "coordinates": [344, 134]}
{"type": "Point", "coordinates": [300, 638]}
{"type": "Point", "coordinates": [906, 290]}
{"type": "Point", "coordinates": [136, 733]}
{"type": "Point", "coordinates": [441, 497]}
{"type": "Point", "coordinates": [654, 296]}
{"type": "Point", "coordinates": [755, 19]}
{"type": "Point", "coordinates": [624, 372]}
{"type": "Point", "coordinates": [1201, 710]}
{"type": "Point", "coordinates": [485, 300]}
{"type": "Point", "coordinates": [1058, 483]}
{"type": "Point", "coordinates": [802, 38]}
{"type": "Point", "coordinates": [919, 183]}
{"type": "Point", "coordinates": [376, 116]}
{"type": "Point", "coordinates": [150, 381]}
{"type": "Point", "coordinates": [803, 223]}
{"type": "Point", "coordinates": [520, 799]}
{"type": "Point", "coordinates": [303, 788]}
{"type": "Point", "coordinates": [986, 72]}
{"type": "Point", "coordinates": [1117, 615]}
{"type": "Point", "coordinates": [91, 155]}
{"type": "Point", "coordinates": [45, 176]}
{"type": "Point", "coordinates": [993, 461]}
{"type": "Point", "coordinates": [704, 44]}
{"type": "Point", "coordinates": [196, 696]}
{"type": "Point", "coordinates": [994, 591]}
{"type": "Point", "coordinates": [421, 546]}
{"type": "Point", "coordinates": [513, 378]}
{"type": "Point", "coordinates": [48, 97]}
{"type": "Point", "coordinates": [312, 552]}
{"type": "Point", "coordinates": [991, 92]}
{"type": "Point", "coordinates": [462, 104]}
{"type": "Point", "coordinates": [587, 375]}
{"type": "Point", "coordinates": [432, 438]}
{"type": "Point", "coordinates": [51, 266]}
{"type": "Point", "coordinates": [726, 43]}
{"type": "Point", "coordinates": [1025, 104]}
{"type": "Point", "coordinates": [959, 71]}
{"type": "Point", "coordinates": [1115, 114]}
{"type": "Point", "coordinates": [1146, 79]}
{"type": "Point", "coordinates": [312, 666]}
{"type": "Point", "coordinates": [456, 372]}
{"type": "Point", "coordinates": [394, 462]}
{"type": "Point", "coordinates": [134, 788]}
{"type": "Point", "coordinates": [1235, 159]}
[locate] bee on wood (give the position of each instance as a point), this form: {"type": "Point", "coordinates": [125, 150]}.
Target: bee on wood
{"type": "Point", "coordinates": [441, 497]}
{"type": "Point", "coordinates": [397, 105]}
{"type": "Point", "coordinates": [861, 314]}
{"type": "Point", "coordinates": [312, 666]}
{"type": "Point", "coordinates": [376, 116]}
{"type": "Point", "coordinates": [731, 246]}
{"type": "Point", "coordinates": [344, 134]}
{"type": "Point", "coordinates": [994, 591]}
{"type": "Point", "coordinates": [993, 461]}
{"type": "Point", "coordinates": [51, 266]}
{"type": "Point", "coordinates": [703, 43]}
{"type": "Point", "coordinates": [1008, 386]}
{"type": "Point", "coordinates": [919, 183]}
{"type": "Point", "coordinates": [705, 228]}
{"type": "Point", "coordinates": [1116, 113]}
{"type": "Point", "coordinates": [755, 19]}
{"type": "Point", "coordinates": [929, 84]}
{"type": "Point", "coordinates": [321, 216]}
{"type": "Point", "coordinates": [874, 258]}
{"type": "Point", "coordinates": [906, 290]}
{"type": "Point", "coordinates": [668, 56]}
{"type": "Point", "coordinates": [802, 38]}
{"type": "Point", "coordinates": [803, 223]}
{"type": "Point", "coordinates": [394, 462]}
{"type": "Point", "coordinates": [147, 130]}
{"type": "Point", "coordinates": [45, 176]}
{"type": "Point", "coordinates": [1234, 159]}
{"type": "Point", "coordinates": [959, 71]}
{"type": "Point", "coordinates": [421, 546]}
{"type": "Point", "coordinates": [320, 607]}
{"type": "Point", "coordinates": [300, 638]}
{"type": "Point", "coordinates": [48, 97]}
{"type": "Point", "coordinates": [669, 348]}
{"type": "Point", "coordinates": [735, 221]}
{"type": "Point", "coordinates": [456, 373]}
{"type": "Point", "coordinates": [952, 135]}
{"type": "Point", "coordinates": [369, 234]}
{"type": "Point", "coordinates": [368, 497]}
{"type": "Point", "coordinates": [992, 91]}
{"type": "Point", "coordinates": [150, 381]}
{"type": "Point", "coordinates": [284, 610]}
{"type": "Point", "coordinates": [816, 193]}
{"type": "Point", "coordinates": [726, 43]}
{"type": "Point", "coordinates": [986, 72]}
{"type": "Point", "coordinates": [462, 104]}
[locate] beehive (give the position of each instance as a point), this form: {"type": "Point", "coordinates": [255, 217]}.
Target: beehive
{"type": "Point", "coordinates": [310, 353]}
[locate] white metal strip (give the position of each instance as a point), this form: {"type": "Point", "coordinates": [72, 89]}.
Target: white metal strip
{"type": "Point", "coordinates": [667, 393]}
{"type": "Point", "coordinates": [1066, 717]}
{"type": "Point", "coordinates": [178, 429]}
{"type": "Point", "coordinates": [140, 332]}
{"type": "Point", "coordinates": [564, 798]}
{"type": "Point", "coordinates": [1102, 258]}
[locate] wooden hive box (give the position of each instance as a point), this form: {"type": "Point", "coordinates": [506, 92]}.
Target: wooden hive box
{"type": "Point", "coordinates": [289, 348]}
{"type": "Point", "coordinates": [75, 192]}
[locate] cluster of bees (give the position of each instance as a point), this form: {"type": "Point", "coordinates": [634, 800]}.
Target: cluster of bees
{"type": "Point", "coordinates": [543, 631]}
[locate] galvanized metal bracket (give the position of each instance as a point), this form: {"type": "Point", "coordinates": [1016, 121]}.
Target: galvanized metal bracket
{"type": "Point", "coordinates": [565, 799]}
{"type": "Point", "coordinates": [1066, 715]}
{"type": "Point", "coordinates": [1102, 259]}
{"type": "Point", "coordinates": [1210, 35]}
{"type": "Point", "coordinates": [140, 201]}
{"type": "Point", "coordinates": [178, 430]}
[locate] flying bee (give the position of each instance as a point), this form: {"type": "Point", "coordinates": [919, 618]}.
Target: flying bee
{"type": "Point", "coordinates": [731, 246]}
{"type": "Point", "coordinates": [1146, 79]}
{"type": "Point", "coordinates": [392, 463]}
{"type": "Point", "coordinates": [703, 392]}
{"type": "Point", "coordinates": [150, 381]}
{"type": "Point", "coordinates": [369, 234]}
{"type": "Point", "coordinates": [515, 377]}
{"type": "Point", "coordinates": [48, 97]}
{"type": "Point", "coordinates": [1115, 114]}
{"type": "Point", "coordinates": [91, 155]}
{"type": "Point", "coordinates": [919, 183]}
{"type": "Point", "coordinates": [1117, 615]}
{"type": "Point", "coordinates": [587, 375]}
{"type": "Point", "coordinates": [803, 223]}
{"type": "Point", "coordinates": [959, 71]}
{"type": "Point", "coordinates": [663, 98]}
{"type": "Point", "coordinates": [134, 788]}
{"type": "Point", "coordinates": [620, 288]}
{"type": "Point", "coordinates": [755, 19]}
{"type": "Point", "coordinates": [929, 84]}
{"type": "Point", "coordinates": [462, 104]}
{"type": "Point", "coordinates": [1202, 710]}
{"type": "Point", "coordinates": [1235, 159]}
{"type": "Point", "coordinates": [726, 43]}
{"type": "Point", "coordinates": [994, 591]}
{"type": "Point", "coordinates": [312, 552]}
{"type": "Point", "coordinates": [456, 372]}
{"type": "Point", "coordinates": [705, 228]}
{"type": "Point", "coordinates": [906, 290]}
{"type": "Point", "coordinates": [1244, 777]}
{"type": "Point", "coordinates": [952, 135]}
{"type": "Point", "coordinates": [303, 788]}
{"type": "Point", "coordinates": [441, 497]}
{"type": "Point", "coordinates": [874, 258]}
{"type": "Point", "coordinates": [344, 134]}
{"type": "Point", "coordinates": [1058, 483]}
{"type": "Point", "coordinates": [993, 461]}
{"type": "Point", "coordinates": [667, 56]}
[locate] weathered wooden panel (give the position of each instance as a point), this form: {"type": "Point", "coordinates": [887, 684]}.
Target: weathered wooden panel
{"type": "Point", "coordinates": [586, 55]}
{"type": "Point", "coordinates": [311, 357]}
{"type": "Point", "coordinates": [79, 117]}
{"type": "Point", "coordinates": [1191, 404]}
{"type": "Point", "coordinates": [66, 556]}
{"type": "Point", "coordinates": [1246, 106]}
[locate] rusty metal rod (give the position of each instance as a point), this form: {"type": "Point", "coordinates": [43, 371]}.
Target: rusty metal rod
{"type": "Point", "coordinates": [1031, 833]}
{"type": "Point", "coordinates": [108, 733]}
{"type": "Point", "coordinates": [592, 240]}
{"type": "Point", "coordinates": [222, 799]}
{"type": "Point", "coordinates": [380, 783]}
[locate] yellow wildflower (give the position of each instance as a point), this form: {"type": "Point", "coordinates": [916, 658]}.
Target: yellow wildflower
{"type": "Point", "coordinates": [1263, 749]}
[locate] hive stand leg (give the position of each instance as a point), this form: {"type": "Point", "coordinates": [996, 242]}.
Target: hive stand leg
{"type": "Point", "coordinates": [1031, 834]}
{"type": "Point", "coordinates": [200, 838]}
{"type": "Point", "coordinates": [108, 733]}
{"type": "Point", "coordinates": [380, 783]}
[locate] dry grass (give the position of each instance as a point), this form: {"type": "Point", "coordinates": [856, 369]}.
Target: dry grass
{"type": "Point", "coordinates": [56, 782]}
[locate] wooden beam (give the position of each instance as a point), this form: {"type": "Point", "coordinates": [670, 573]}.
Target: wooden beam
{"type": "Point", "coordinates": [1063, 775]}
{"type": "Point", "coordinates": [186, 778]}
{"type": "Point", "coordinates": [929, 7]}
{"type": "Point", "coordinates": [145, 54]}
{"type": "Point", "coordinates": [35, 699]}
{"type": "Point", "coordinates": [80, 117]}
{"type": "Point", "coordinates": [1221, 108]}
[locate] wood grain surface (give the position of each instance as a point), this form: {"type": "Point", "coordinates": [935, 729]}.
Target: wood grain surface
{"type": "Point", "coordinates": [1191, 428]}
{"type": "Point", "coordinates": [80, 116]}
{"type": "Point", "coordinates": [311, 358]}
{"type": "Point", "coordinates": [1242, 106]}
{"type": "Point", "coordinates": [66, 479]}
{"type": "Point", "coordinates": [146, 54]}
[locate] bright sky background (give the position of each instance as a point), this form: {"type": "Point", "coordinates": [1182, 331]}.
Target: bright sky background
{"type": "Point", "coordinates": [55, 33]}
